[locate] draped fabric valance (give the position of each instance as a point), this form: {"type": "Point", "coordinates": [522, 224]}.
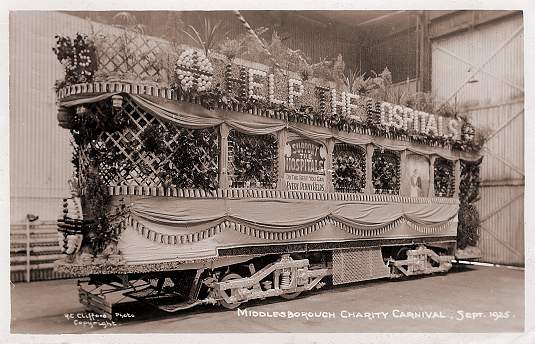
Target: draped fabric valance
{"type": "Point", "coordinates": [167, 229]}
{"type": "Point", "coordinates": [195, 116]}
{"type": "Point", "coordinates": [173, 216]}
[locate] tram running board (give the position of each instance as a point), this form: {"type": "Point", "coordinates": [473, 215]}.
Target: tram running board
{"type": "Point", "coordinates": [101, 299]}
{"type": "Point", "coordinates": [167, 302]}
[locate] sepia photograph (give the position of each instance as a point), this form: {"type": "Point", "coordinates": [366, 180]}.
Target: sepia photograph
{"type": "Point", "coordinates": [235, 171]}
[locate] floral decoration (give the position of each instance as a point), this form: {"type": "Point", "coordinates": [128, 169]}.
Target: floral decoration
{"type": "Point", "coordinates": [252, 160]}
{"type": "Point", "coordinates": [385, 171]}
{"type": "Point", "coordinates": [349, 165]}
{"type": "Point", "coordinates": [194, 70]}
{"type": "Point", "coordinates": [78, 56]}
{"type": "Point", "coordinates": [468, 230]}
{"type": "Point", "coordinates": [444, 178]}
{"type": "Point", "coordinates": [187, 163]}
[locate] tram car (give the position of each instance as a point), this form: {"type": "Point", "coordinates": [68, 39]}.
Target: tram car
{"type": "Point", "coordinates": [240, 182]}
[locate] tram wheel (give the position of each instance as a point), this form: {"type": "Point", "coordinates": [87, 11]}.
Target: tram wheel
{"type": "Point", "coordinates": [222, 302]}
{"type": "Point", "coordinates": [402, 253]}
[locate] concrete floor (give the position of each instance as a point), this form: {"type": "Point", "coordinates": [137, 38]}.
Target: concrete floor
{"type": "Point", "coordinates": [468, 299]}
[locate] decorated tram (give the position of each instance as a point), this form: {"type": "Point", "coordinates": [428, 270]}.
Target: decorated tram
{"type": "Point", "coordinates": [232, 181]}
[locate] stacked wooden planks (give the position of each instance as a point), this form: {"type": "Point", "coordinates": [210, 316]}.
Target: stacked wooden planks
{"type": "Point", "coordinates": [34, 248]}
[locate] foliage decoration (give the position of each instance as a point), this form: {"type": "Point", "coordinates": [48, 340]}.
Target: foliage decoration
{"type": "Point", "coordinates": [127, 21]}
{"type": "Point", "coordinates": [78, 57]}
{"type": "Point", "coordinates": [471, 140]}
{"type": "Point", "coordinates": [128, 55]}
{"type": "Point", "coordinates": [323, 70]}
{"type": "Point", "coordinates": [444, 178]}
{"type": "Point", "coordinates": [206, 37]}
{"type": "Point", "coordinates": [385, 171]}
{"type": "Point", "coordinates": [468, 230]}
{"type": "Point", "coordinates": [359, 119]}
{"type": "Point", "coordinates": [338, 68]}
{"type": "Point", "coordinates": [469, 184]}
{"type": "Point", "coordinates": [469, 226]}
{"type": "Point", "coordinates": [349, 165]}
{"type": "Point", "coordinates": [187, 163]}
{"type": "Point", "coordinates": [231, 48]}
{"type": "Point", "coordinates": [97, 203]}
{"type": "Point", "coordinates": [102, 160]}
{"type": "Point", "coordinates": [378, 86]}
{"type": "Point", "coordinates": [253, 160]}
{"type": "Point", "coordinates": [185, 160]}
{"type": "Point", "coordinates": [126, 48]}
{"type": "Point", "coordinates": [354, 81]}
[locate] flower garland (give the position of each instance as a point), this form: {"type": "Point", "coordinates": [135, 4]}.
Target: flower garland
{"type": "Point", "coordinates": [78, 57]}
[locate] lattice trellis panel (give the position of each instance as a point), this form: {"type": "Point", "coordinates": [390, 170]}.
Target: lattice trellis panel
{"type": "Point", "coordinates": [252, 160]}
{"type": "Point", "coordinates": [386, 170]}
{"type": "Point", "coordinates": [349, 165]}
{"type": "Point", "coordinates": [128, 54]}
{"type": "Point", "coordinates": [126, 161]}
{"type": "Point", "coordinates": [444, 179]}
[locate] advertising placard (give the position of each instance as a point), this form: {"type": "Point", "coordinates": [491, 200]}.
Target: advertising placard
{"type": "Point", "coordinates": [305, 166]}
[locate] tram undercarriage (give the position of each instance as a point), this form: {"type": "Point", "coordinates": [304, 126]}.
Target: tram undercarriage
{"type": "Point", "coordinates": [287, 275]}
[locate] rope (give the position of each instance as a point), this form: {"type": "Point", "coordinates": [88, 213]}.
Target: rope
{"type": "Point", "coordinates": [253, 33]}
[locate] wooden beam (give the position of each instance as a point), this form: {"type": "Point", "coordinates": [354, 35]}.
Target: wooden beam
{"type": "Point", "coordinates": [505, 244]}
{"type": "Point", "coordinates": [223, 156]}
{"type": "Point", "coordinates": [423, 53]}
{"type": "Point", "coordinates": [501, 207]}
{"type": "Point", "coordinates": [431, 192]}
{"type": "Point", "coordinates": [329, 165]}
{"type": "Point", "coordinates": [380, 18]}
{"type": "Point", "coordinates": [282, 138]}
{"type": "Point", "coordinates": [457, 180]}
{"type": "Point", "coordinates": [369, 173]}
{"type": "Point", "coordinates": [505, 162]}
{"type": "Point", "coordinates": [502, 182]}
{"type": "Point", "coordinates": [404, 185]}
{"type": "Point", "coordinates": [463, 20]}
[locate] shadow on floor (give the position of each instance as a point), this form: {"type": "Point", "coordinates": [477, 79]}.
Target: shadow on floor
{"type": "Point", "coordinates": [145, 312]}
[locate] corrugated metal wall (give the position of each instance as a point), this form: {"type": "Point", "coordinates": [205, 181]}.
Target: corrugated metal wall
{"type": "Point", "coordinates": [495, 100]}
{"type": "Point", "coordinates": [39, 150]}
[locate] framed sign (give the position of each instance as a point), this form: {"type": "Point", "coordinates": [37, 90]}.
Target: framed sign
{"type": "Point", "coordinates": [304, 165]}
{"type": "Point", "coordinates": [418, 174]}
